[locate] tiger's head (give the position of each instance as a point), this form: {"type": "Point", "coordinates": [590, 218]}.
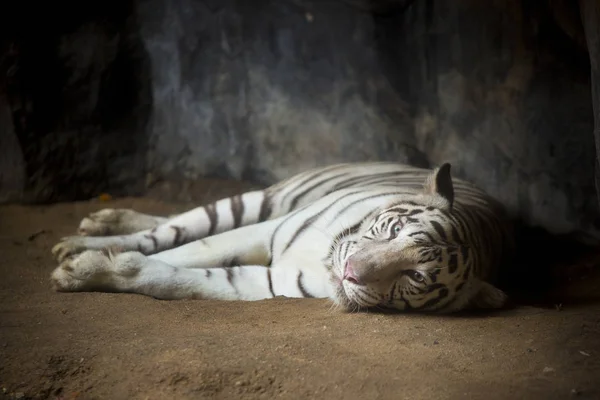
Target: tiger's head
{"type": "Point", "coordinates": [415, 254]}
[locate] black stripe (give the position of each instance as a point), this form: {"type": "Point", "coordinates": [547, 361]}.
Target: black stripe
{"type": "Point", "coordinates": [308, 179]}
{"type": "Point", "coordinates": [302, 194]}
{"type": "Point", "coordinates": [370, 295]}
{"type": "Point", "coordinates": [412, 203]}
{"type": "Point", "coordinates": [233, 262]}
{"type": "Point", "coordinates": [467, 271]}
{"type": "Point", "coordinates": [429, 237]}
{"type": "Point", "coordinates": [442, 294]}
{"type": "Point", "coordinates": [350, 231]}
{"type": "Point", "coordinates": [345, 249]}
{"type": "Point", "coordinates": [438, 228]}
{"type": "Point", "coordinates": [362, 200]}
{"type": "Point", "coordinates": [455, 234]}
{"type": "Point", "coordinates": [301, 286]}
{"type": "Point", "coordinates": [397, 209]}
{"type": "Point", "coordinates": [265, 208]}
{"type": "Point", "coordinates": [372, 179]}
{"type": "Point", "coordinates": [358, 294]}
{"type": "Point", "coordinates": [464, 226]}
{"type": "Point", "coordinates": [154, 241]}
{"type": "Point", "coordinates": [306, 222]}
{"type": "Point", "coordinates": [464, 252]}
{"type": "Point", "coordinates": [312, 219]}
{"type": "Point", "coordinates": [270, 282]}
{"type": "Point", "coordinates": [213, 217]}
{"type": "Point", "coordinates": [388, 221]}
{"type": "Point", "coordinates": [237, 210]}
{"type": "Point", "coordinates": [274, 235]}
{"type": "Point", "coordinates": [346, 232]}
{"type": "Point", "coordinates": [269, 260]}
{"type": "Point", "coordinates": [303, 227]}
{"type": "Point", "coordinates": [453, 263]}
{"type": "Point", "coordinates": [415, 212]}
{"type": "Point", "coordinates": [178, 238]}
{"type": "Point", "coordinates": [392, 292]}
{"type": "Point", "coordinates": [208, 273]}
{"type": "Point", "coordinates": [230, 277]}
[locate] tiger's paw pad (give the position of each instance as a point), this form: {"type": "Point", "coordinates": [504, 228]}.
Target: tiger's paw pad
{"type": "Point", "coordinates": [82, 272]}
{"type": "Point", "coordinates": [116, 221]}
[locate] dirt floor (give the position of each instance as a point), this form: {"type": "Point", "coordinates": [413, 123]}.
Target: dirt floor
{"type": "Point", "coordinates": [120, 346]}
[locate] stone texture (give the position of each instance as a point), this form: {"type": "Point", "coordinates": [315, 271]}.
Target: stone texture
{"type": "Point", "coordinates": [139, 92]}
{"type": "Point", "coordinates": [76, 82]}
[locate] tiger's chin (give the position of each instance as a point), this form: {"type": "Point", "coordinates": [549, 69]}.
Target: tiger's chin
{"type": "Point", "coordinates": [344, 296]}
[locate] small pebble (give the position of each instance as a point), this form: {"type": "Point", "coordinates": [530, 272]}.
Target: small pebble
{"type": "Point", "coordinates": [436, 342]}
{"type": "Point", "coordinates": [548, 369]}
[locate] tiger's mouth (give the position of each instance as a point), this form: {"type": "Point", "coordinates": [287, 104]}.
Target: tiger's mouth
{"type": "Point", "coordinates": [350, 295]}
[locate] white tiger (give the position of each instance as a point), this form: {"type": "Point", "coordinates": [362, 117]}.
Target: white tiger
{"type": "Point", "coordinates": [365, 235]}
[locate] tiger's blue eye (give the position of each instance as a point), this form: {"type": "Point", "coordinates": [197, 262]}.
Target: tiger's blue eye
{"type": "Point", "coordinates": [397, 229]}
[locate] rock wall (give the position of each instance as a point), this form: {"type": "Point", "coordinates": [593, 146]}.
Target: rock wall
{"type": "Point", "coordinates": [132, 93]}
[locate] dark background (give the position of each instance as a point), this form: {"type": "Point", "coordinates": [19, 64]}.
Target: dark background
{"type": "Point", "coordinates": [116, 96]}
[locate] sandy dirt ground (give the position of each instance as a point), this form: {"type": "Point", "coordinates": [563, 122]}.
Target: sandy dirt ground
{"type": "Point", "coordinates": [121, 346]}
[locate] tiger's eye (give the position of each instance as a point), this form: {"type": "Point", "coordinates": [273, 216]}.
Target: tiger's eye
{"type": "Point", "coordinates": [416, 276]}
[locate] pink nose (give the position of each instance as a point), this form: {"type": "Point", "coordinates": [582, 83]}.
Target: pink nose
{"type": "Point", "coordinates": [349, 273]}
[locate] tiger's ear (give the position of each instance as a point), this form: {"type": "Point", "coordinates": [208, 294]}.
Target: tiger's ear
{"type": "Point", "coordinates": [439, 183]}
{"type": "Point", "coordinates": [488, 296]}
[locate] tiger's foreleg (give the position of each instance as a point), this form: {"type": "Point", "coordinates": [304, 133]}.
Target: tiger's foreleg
{"type": "Point", "coordinates": [133, 272]}
{"type": "Point", "coordinates": [228, 266]}
{"type": "Point", "coordinates": [231, 265]}
{"type": "Point", "coordinates": [221, 216]}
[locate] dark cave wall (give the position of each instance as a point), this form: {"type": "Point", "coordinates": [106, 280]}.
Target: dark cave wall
{"type": "Point", "coordinates": [502, 92]}
{"type": "Point", "coordinates": [287, 87]}
{"type": "Point", "coordinates": [260, 90]}
{"type": "Point", "coordinates": [590, 11]}
{"type": "Point", "coordinates": [74, 79]}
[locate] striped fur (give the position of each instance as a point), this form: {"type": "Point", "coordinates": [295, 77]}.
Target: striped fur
{"type": "Point", "coordinates": [365, 235]}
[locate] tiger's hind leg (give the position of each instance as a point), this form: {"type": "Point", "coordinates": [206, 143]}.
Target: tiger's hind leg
{"type": "Point", "coordinates": [221, 216]}
{"type": "Point", "coordinates": [118, 221]}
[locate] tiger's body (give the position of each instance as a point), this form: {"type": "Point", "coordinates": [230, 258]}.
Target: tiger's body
{"type": "Point", "coordinates": [364, 235]}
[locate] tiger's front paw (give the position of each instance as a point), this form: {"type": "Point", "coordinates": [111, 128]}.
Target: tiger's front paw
{"type": "Point", "coordinates": [68, 246]}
